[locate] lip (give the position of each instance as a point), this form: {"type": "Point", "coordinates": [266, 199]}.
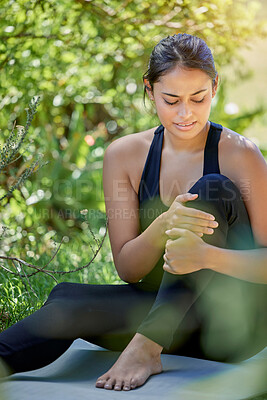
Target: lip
{"type": "Point", "coordinates": [186, 127]}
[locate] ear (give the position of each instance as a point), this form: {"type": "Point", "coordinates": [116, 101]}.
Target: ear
{"type": "Point", "coordinates": [215, 86]}
{"type": "Point", "coordinates": [149, 89]}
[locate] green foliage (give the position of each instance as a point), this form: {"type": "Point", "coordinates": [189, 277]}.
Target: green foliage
{"type": "Point", "coordinates": [93, 53]}
{"type": "Point", "coordinates": [16, 297]}
{"type": "Point", "coordinates": [86, 60]}
{"type": "Point", "coordinates": [237, 122]}
{"type": "Point", "coordinates": [12, 150]}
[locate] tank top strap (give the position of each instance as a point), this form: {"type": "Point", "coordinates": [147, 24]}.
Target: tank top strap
{"type": "Point", "coordinates": [149, 184]}
{"type": "Point", "coordinates": [211, 154]}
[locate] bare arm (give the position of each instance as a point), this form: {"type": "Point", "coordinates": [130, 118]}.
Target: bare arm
{"type": "Point", "coordinates": [135, 254]}
{"type": "Point", "coordinates": [250, 265]}
{"type": "Point", "coordinates": [189, 253]}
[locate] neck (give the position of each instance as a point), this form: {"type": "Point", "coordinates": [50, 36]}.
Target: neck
{"type": "Point", "coordinates": [193, 145]}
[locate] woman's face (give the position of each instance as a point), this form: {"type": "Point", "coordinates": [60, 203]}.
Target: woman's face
{"type": "Point", "coordinates": [183, 101]}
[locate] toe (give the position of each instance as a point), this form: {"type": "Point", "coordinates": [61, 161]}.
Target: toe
{"type": "Point", "coordinates": [101, 381]}
{"type": "Point", "coordinates": [118, 385]}
{"type": "Point", "coordinates": [109, 384]}
{"type": "Point", "coordinates": [133, 383]}
{"type": "Point", "coordinates": [127, 385]}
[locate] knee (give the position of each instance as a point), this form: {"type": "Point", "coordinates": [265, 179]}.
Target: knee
{"type": "Point", "coordinates": [216, 187]}
{"type": "Point", "coordinates": [58, 291]}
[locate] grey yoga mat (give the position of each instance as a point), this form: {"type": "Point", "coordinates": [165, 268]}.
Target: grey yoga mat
{"type": "Point", "coordinates": [72, 376]}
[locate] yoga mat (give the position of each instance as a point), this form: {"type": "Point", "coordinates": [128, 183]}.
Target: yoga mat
{"type": "Point", "coordinates": [73, 375]}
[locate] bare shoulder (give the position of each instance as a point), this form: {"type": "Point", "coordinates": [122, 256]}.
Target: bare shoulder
{"type": "Point", "coordinates": [232, 142]}
{"type": "Point", "coordinates": [238, 154]}
{"type": "Point", "coordinates": [129, 154]}
{"type": "Point", "coordinates": [241, 161]}
{"type": "Point", "coordinates": [130, 143]}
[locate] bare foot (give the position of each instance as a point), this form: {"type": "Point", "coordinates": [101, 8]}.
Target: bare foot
{"type": "Point", "coordinates": [139, 360]}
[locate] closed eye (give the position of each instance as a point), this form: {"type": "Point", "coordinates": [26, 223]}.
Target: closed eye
{"type": "Point", "coordinates": [171, 104]}
{"type": "Point", "coordinates": [198, 101]}
{"type": "Point", "coordinates": [194, 101]}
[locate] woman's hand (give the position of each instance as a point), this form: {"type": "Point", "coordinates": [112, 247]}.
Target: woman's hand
{"type": "Point", "coordinates": [185, 253]}
{"type": "Point", "coordinates": [180, 216]}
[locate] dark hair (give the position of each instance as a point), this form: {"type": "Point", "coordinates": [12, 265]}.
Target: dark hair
{"type": "Point", "coordinates": [184, 50]}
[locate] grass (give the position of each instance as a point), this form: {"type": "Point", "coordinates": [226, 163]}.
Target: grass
{"type": "Point", "coordinates": [17, 299]}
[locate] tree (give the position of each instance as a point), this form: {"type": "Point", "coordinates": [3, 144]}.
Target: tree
{"type": "Point", "coordinates": [93, 53]}
{"type": "Point", "coordinates": [86, 59]}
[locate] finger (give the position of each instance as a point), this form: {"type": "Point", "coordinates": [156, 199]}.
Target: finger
{"type": "Point", "coordinates": [167, 268]}
{"type": "Point", "coordinates": [194, 221]}
{"type": "Point", "coordinates": [198, 233]}
{"type": "Point", "coordinates": [197, 229]}
{"type": "Point", "coordinates": [181, 198]}
{"type": "Point", "coordinates": [176, 232]}
{"type": "Point", "coordinates": [173, 234]}
{"type": "Point", "coordinates": [166, 259]}
{"type": "Point", "coordinates": [169, 241]}
{"type": "Point", "coordinates": [205, 231]}
{"type": "Point", "coordinates": [194, 213]}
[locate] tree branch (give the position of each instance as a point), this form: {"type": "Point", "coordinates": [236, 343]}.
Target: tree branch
{"type": "Point", "coordinates": [49, 271]}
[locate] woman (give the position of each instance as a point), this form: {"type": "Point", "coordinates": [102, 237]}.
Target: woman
{"type": "Point", "coordinates": [190, 248]}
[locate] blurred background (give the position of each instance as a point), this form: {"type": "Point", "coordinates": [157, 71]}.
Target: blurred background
{"type": "Point", "coordinates": [85, 59]}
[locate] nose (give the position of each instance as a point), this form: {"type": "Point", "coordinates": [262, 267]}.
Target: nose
{"type": "Point", "coordinates": [184, 110]}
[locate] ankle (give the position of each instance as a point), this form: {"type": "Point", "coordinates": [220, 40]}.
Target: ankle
{"type": "Point", "coordinates": [150, 346]}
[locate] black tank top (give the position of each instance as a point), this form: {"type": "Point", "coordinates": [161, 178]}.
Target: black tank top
{"type": "Point", "coordinates": [150, 204]}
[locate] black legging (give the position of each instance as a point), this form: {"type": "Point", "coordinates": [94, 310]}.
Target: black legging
{"type": "Point", "coordinates": [207, 314]}
{"type": "Point", "coordinates": [187, 318]}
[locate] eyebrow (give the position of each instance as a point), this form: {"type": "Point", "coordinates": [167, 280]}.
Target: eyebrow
{"type": "Point", "coordinates": [174, 95]}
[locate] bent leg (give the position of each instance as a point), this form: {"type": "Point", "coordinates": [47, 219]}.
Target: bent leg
{"type": "Point", "coordinates": [173, 306]}
{"type": "Point", "coordinates": [165, 323]}
{"type": "Point", "coordinates": [103, 314]}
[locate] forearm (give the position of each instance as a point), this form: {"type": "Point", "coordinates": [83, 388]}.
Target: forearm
{"type": "Point", "coordinates": [139, 256]}
{"type": "Point", "coordinates": [249, 265]}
